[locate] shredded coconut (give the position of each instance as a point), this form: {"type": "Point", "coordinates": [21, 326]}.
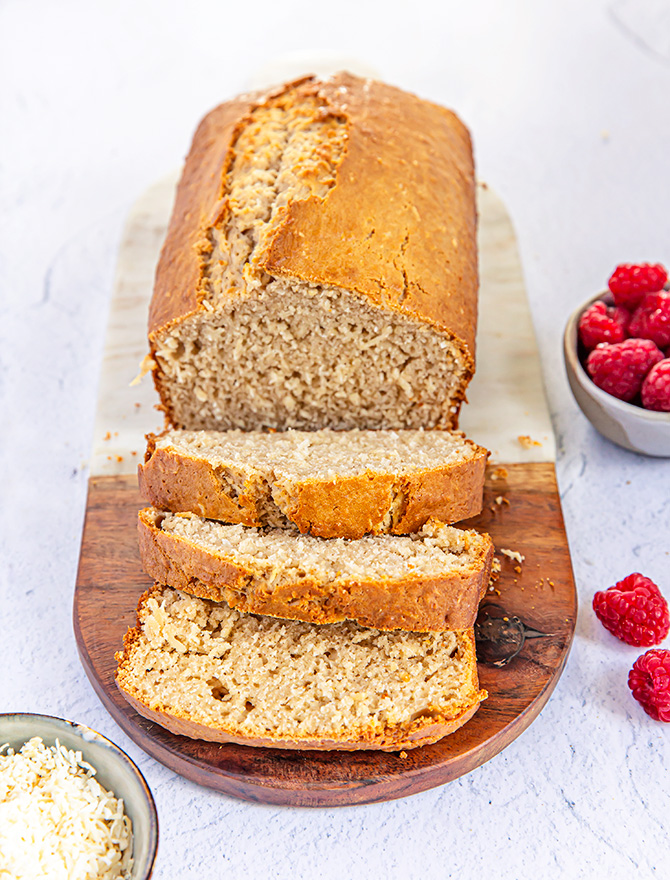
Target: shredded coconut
{"type": "Point", "coordinates": [56, 820]}
{"type": "Point", "coordinates": [512, 554]}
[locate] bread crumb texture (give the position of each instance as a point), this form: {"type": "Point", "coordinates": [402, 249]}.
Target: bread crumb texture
{"type": "Point", "coordinates": [249, 677]}
{"type": "Point", "coordinates": [325, 454]}
{"type": "Point", "coordinates": [284, 555]}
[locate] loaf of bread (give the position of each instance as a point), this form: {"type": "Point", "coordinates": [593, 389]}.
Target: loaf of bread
{"type": "Point", "coordinates": [320, 267]}
{"type": "Point", "coordinates": [431, 580]}
{"type": "Point", "coordinates": [329, 483]}
{"type": "Point", "coordinates": [204, 670]}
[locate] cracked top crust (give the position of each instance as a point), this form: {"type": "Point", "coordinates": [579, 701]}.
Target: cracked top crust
{"type": "Point", "coordinates": [397, 227]}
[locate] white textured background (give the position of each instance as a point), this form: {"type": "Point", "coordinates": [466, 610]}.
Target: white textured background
{"type": "Point", "coordinates": [568, 105]}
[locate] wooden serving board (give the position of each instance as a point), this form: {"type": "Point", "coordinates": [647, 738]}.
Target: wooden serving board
{"type": "Point", "coordinates": [521, 512]}
{"type": "Point", "coordinates": [526, 519]}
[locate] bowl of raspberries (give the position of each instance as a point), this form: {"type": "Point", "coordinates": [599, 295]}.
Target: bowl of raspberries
{"type": "Point", "coordinates": [617, 356]}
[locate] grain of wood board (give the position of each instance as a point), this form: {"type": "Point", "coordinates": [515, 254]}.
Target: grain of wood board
{"type": "Point", "coordinates": [521, 513]}
{"type": "Point", "coordinates": [507, 413]}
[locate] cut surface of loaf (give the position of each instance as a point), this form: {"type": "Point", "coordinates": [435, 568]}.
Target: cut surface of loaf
{"type": "Point", "coordinates": [320, 267]}
{"type": "Point", "coordinates": [432, 580]}
{"type": "Point", "coordinates": [204, 670]}
{"type": "Point", "coordinates": [329, 483]}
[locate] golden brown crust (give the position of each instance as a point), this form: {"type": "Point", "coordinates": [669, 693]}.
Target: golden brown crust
{"type": "Point", "coordinates": [179, 273]}
{"type": "Point", "coordinates": [398, 228]}
{"type": "Point", "coordinates": [414, 733]}
{"type": "Point", "coordinates": [199, 204]}
{"type": "Point", "coordinates": [173, 481]}
{"type": "Point", "coordinates": [422, 732]}
{"type": "Point", "coordinates": [414, 603]}
{"type": "Point", "coordinates": [344, 507]}
{"type": "Point", "coordinates": [450, 494]}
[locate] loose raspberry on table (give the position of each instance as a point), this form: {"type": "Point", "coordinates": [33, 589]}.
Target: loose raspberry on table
{"type": "Point", "coordinates": [620, 369]}
{"type": "Point", "coordinates": [649, 680]}
{"type": "Point", "coordinates": [630, 281]}
{"type": "Point", "coordinates": [633, 610]}
{"type": "Point", "coordinates": [656, 387]}
{"type": "Point", "coordinates": [651, 319]}
{"type": "Point", "coordinates": [599, 324]}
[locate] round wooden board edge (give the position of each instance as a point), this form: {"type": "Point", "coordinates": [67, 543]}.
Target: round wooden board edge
{"type": "Point", "coordinates": [402, 784]}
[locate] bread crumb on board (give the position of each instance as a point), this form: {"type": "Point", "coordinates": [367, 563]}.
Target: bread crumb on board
{"type": "Point", "coordinates": [527, 441]}
{"type": "Point", "coordinates": [496, 568]}
{"type": "Point", "coordinates": [498, 503]}
{"type": "Point", "coordinates": [500, 473]}
{"type": "Point", "coordinates": [548, 581]}
{"type": "Point", "coordinates": [512, 554]}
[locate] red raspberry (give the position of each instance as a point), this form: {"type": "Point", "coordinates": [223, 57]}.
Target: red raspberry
{"type": "Point", "coordinates": [656, 387]}
{"type": "Point", "coordinates": [651, 319]}
{"type": "Point", "coordinates": [649, 680]}
{"type": "Point", "coordinates": [620, 369]}
{"type": "Point", "coordinates": [622, 316]}
{"type": "Point", "coordinates": [630, 281]}
{"type": "Point", "coordinates": [599, 324]}
{"type": "Point", "coordinates": [634, 611]}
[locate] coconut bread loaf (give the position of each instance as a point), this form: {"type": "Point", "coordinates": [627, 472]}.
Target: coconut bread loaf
{"type": "Point", "coordinates": [329, 483]}
{"type": "Point", "coordinates": [432, 580]}
{"type": "Point", "coordinates": [320, 267]}
{"type": "Point", "coordinates": [204, 670]}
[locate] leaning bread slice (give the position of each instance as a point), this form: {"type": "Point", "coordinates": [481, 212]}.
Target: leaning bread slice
{"type": "Point", "coordinates": [204, 670]}
{"type": "Point", "coordinates": [431, 580]}
{"type": "Point", "coordinates": [329, 483]}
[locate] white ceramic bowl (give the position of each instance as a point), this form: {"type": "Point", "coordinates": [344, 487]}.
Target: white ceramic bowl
{"type": "Point", "coordinates": [115, 772]}
{"type": "Point", "coordinates": [625, 424]}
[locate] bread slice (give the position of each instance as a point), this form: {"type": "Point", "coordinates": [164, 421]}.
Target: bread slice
{"type": "Point", "coordinates": [330, 483]}
{"type": "Point", "coordinates": [204, 670]}
{"type": "Point", "coordinates": [430, 580]}
{"type": "Point", "coordinates": [320, 268]}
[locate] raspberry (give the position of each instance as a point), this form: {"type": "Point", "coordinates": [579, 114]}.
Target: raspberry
{"type": "Point", "coordinates": [622, 316]}
{"type": "Point", "coordinates": [649, 680]}
{"type": "Point", "coordinates": [634, 611]}
{"type": "Point", "coordinates": [656, 387]}
{"type": "Point", "coordinates": [651, 319]}
{"type": "Point", "coordinates": [620, 369]}
{"type": "Point", "coordinates": [629, 282]}
{"type": "Point", "coordinates": [598, 324]}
